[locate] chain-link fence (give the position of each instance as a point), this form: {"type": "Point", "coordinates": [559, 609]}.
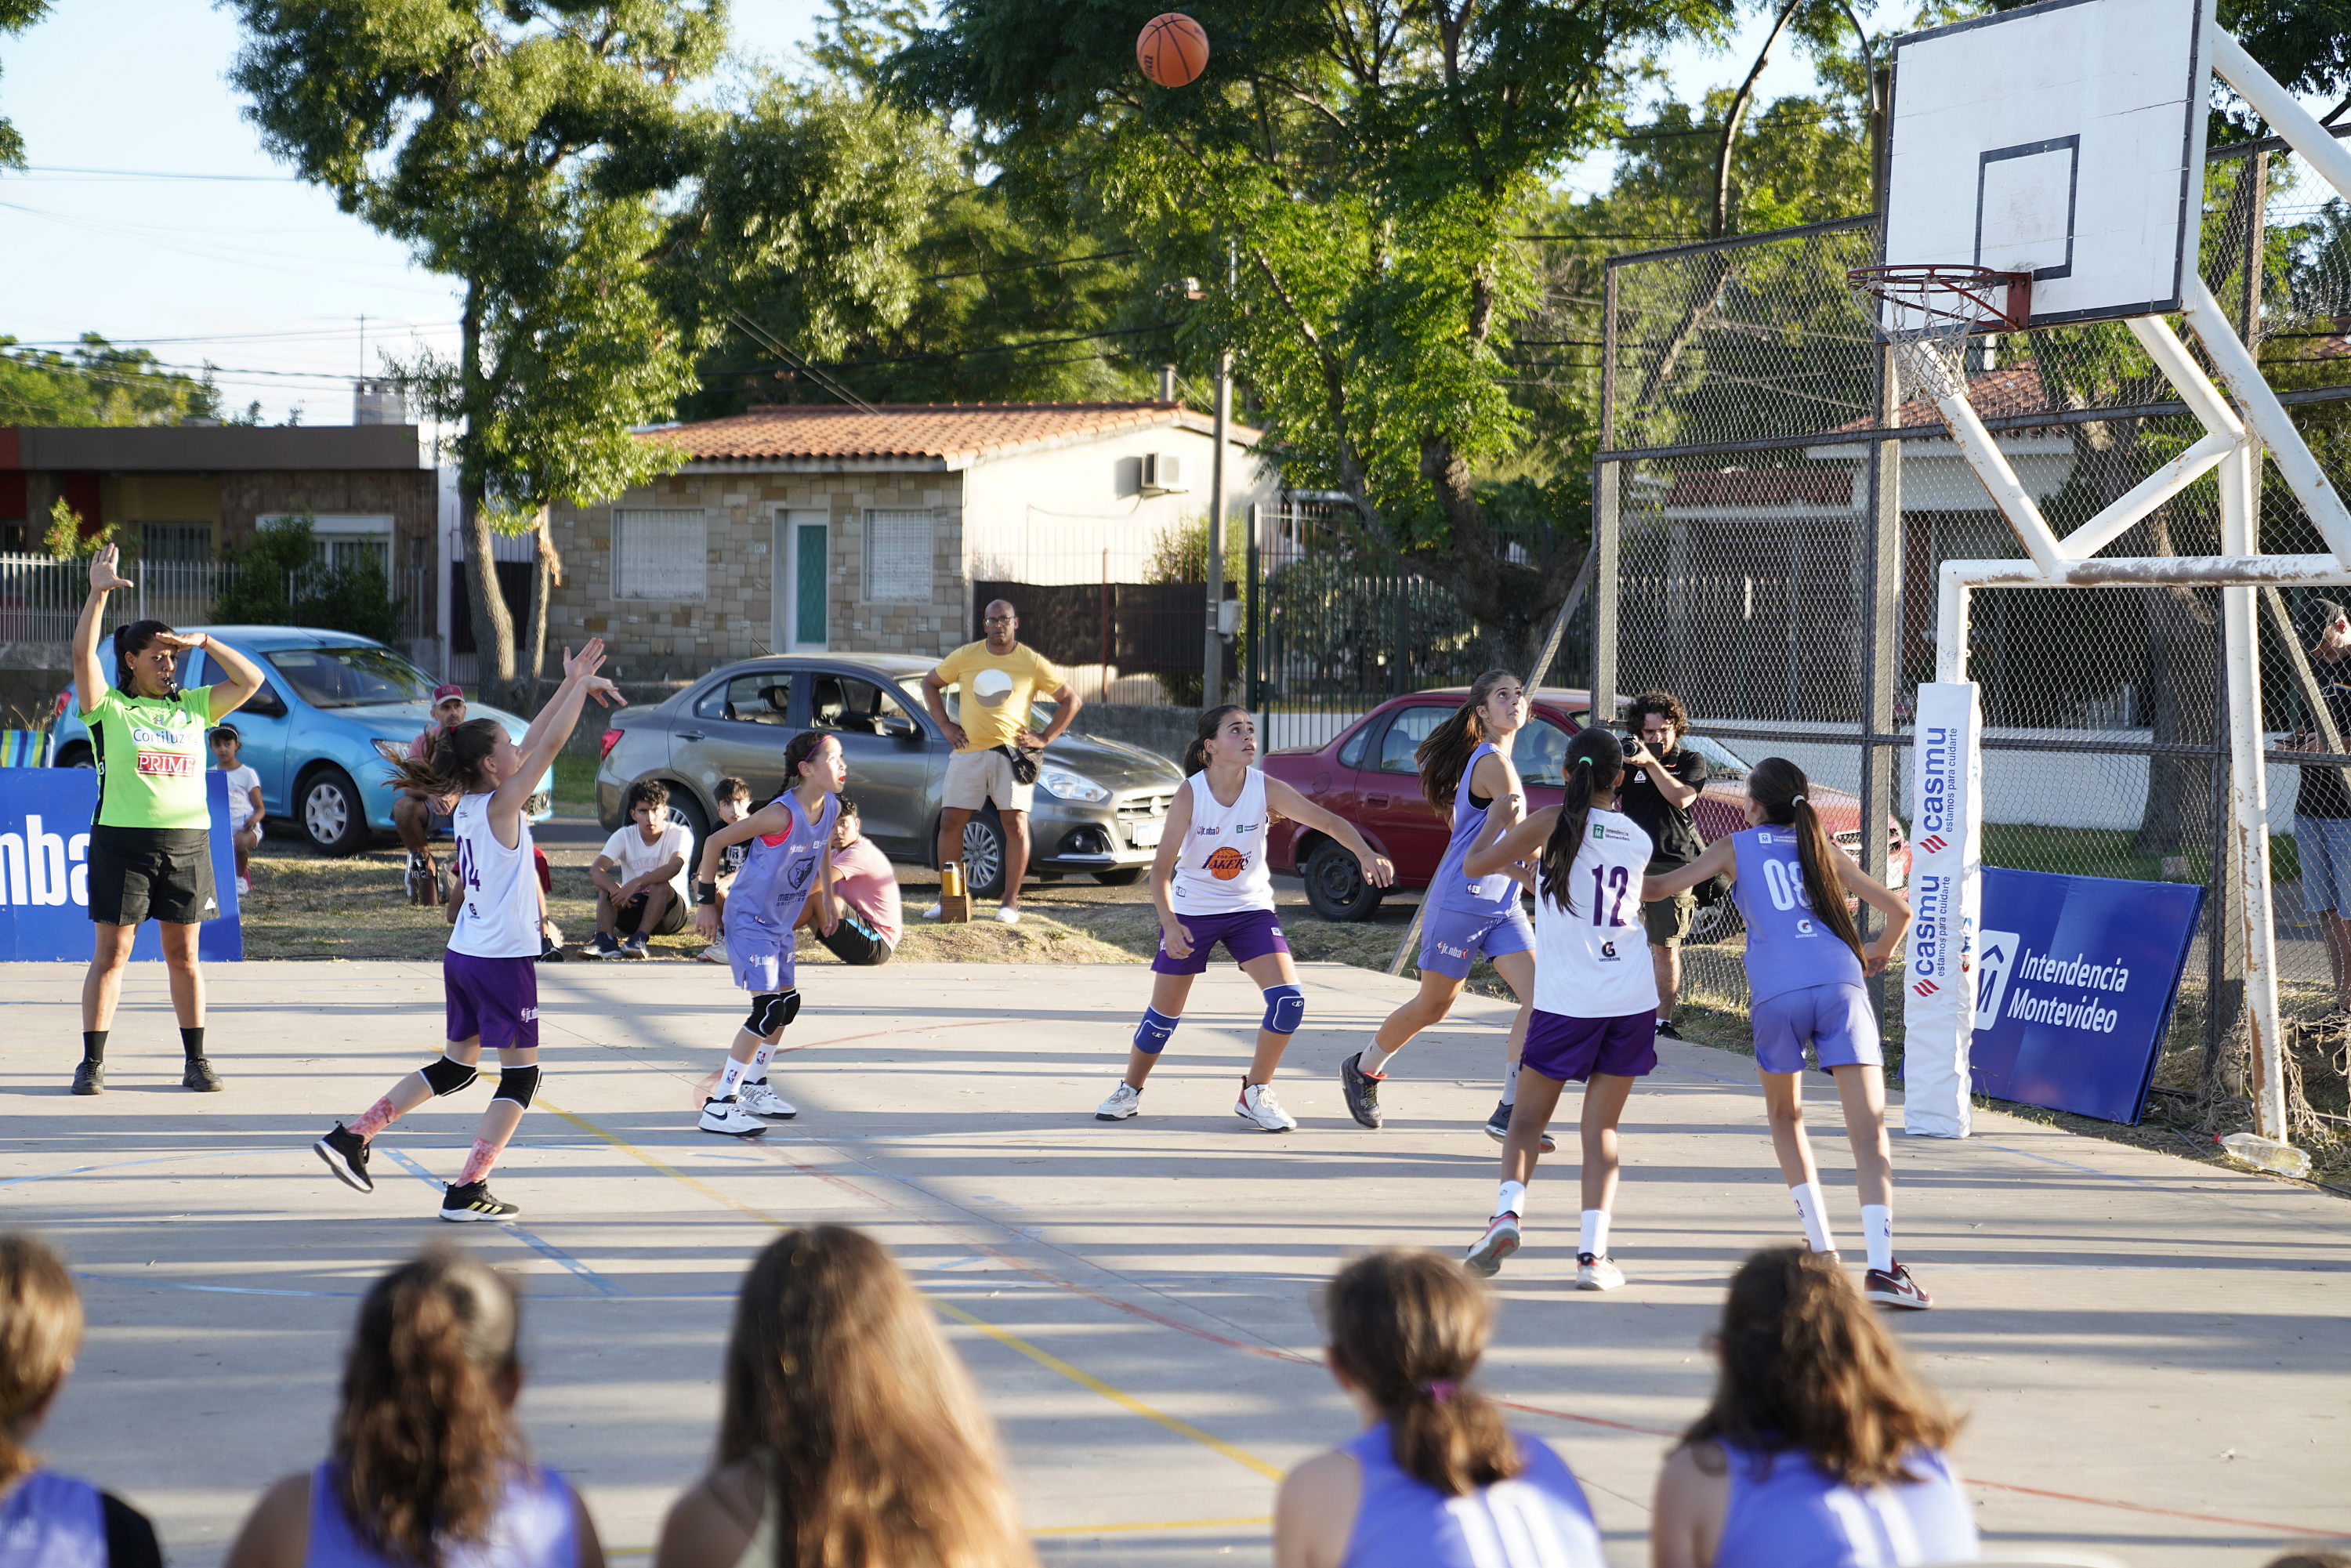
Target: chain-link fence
{"type": "Point", "coordinates": [1773, 514]}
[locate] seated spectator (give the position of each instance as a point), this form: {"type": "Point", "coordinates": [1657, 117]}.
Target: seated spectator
{"type": "Point", "coordinates": [245, 812]}
{"type": "Point", "coordinates": [733, 798]}
{"type": "Point", "coordinates": [427, 1465]}
{"type": "Point", "coordinates": [870, 919]}
{"type": "Point", "coordinates": [1820, 1449]}
{"type": "Point", "coordinates": [641, 878]}
{"type": "Point", "coordinates": [47, 1520]}
{"type": "Point", "coordinates": [1420, 1485]}
{"type": "Point", "coordinates": [850, 1431]}
{"type": "Point", "coordinates": [416, 817]}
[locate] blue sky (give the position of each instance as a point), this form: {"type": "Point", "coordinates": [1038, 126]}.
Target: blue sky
{"type": "Point", "coordinates": [247, 268]}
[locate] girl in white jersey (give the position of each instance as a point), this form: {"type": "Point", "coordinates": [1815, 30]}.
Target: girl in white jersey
{"type": "Point", "coordinates": [1596, 994]}
{"type": "Point", "coordinates": [489, 974]}
{"type": "Point", "coordinates": [1211, 884]}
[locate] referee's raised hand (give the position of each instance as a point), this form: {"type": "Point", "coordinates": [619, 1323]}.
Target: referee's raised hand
{"type": "Point", "coordinates": [103, 576]}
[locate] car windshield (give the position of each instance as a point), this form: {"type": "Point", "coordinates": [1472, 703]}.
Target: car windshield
{"type": "Point", "coordinates": [1040, 712]}
{"type": "Point", "coordinates": [351, 676]}
{"type": "Point", "coordinates": [1726, 763]}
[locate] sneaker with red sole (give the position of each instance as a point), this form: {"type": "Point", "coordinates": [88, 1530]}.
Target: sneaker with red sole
{"type": "Point", "coordinates": [1894, 1288]}
{"type": "Point", "coordinates": [1501, 1239]}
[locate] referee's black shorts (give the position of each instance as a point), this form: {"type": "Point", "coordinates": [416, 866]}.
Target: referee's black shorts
{"type": "Point", "coordinates": [151, 873]}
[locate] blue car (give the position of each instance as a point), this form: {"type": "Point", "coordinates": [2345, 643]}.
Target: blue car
{"type": "Point", "coordinates": [312, 731]}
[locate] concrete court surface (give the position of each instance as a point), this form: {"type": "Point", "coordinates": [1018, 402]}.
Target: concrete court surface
{"type": "Point", "coordinates": [2154, 1354]}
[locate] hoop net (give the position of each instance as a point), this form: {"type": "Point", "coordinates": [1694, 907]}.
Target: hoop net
{"type": "Point", "coordinates": [1928, 312]}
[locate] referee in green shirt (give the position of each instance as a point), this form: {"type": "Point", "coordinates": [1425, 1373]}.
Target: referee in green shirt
{"type": "Point", "coordinates": [150, 839]}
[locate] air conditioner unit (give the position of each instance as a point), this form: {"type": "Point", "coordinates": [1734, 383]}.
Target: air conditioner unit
{"type": "Point", "coordinates": [1163, 473]}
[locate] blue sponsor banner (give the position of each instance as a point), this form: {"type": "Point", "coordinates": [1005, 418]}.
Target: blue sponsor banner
{"type": "Point", "coordinates": [45, 869]}
{"type": "Point", "coordinates": [2076, 978]}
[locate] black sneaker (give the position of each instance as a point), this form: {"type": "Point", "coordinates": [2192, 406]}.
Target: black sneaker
{"type": "Point", "coordinates": [89, 1078]}
{"type": "Point", "coordinates": [601, 946]}
{"type": "Point", "coordinates": [346, 1153]}
{"type": "Point", "coordinates": [199, 1076]}
{"type": "Point", "coordinates": [634, 946]}
{"type": "Point", "coordinates": [550, 951]}
{"type": "Point", "coordinates": [1361, 1090]}
{"type": "Point", "coordinates": [1498, 1127]}
{"type": "Point", "coordinates": [1894, 1288]}
{"type": "Point", "coordinates": [1666, 1030]}
{"type": "Point", "coordinates": [464, 1205]}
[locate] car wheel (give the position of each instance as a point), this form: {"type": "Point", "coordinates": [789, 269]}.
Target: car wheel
{"type": "Point", "coordinates": [983, 855]}
{"type": "Point", "coordinates": [77, 755]}
{"type": "Point", "coordinates": [686, 812]}
{"type": "Point", "coordinates": [1124, 876]}
{"type": "Point", "coordinates": [332, 814]}
{"type": "Point", "coordinates": [1335, 885]}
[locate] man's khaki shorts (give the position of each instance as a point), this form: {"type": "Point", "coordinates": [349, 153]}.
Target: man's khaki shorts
{"type": "Point", "coordinates": [1669, 919]}
{"type": "Point", "coordinates": [975, 778]}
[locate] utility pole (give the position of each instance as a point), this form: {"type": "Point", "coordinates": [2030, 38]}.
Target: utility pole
{"type": "Point", "coordinates": [1212, 660]}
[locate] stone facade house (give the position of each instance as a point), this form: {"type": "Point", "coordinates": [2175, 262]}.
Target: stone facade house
{"type": "Point", "coordinates": [800, 527]}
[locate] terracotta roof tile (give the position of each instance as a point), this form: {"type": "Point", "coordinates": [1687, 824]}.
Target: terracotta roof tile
{"type": "Point", "coordinates": [935, 430]}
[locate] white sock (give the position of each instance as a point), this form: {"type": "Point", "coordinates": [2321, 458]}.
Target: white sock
{"type": "Point", "coordinates": [1513, 1199]}
{"type": "Point", "coordinates": [1511, 1085]}
{"type": "Point", "coordinates": [731, 1078]}
{"type": "Point", "coordinates": [1877, 1234]}
{"type": "Point", "coordinates": [1595, 1239]}
{"type": "Point", "coordinates": [1374, 1060]}
{"type": "Point", "coordinates": [758, 1072]}
{"type": "Point", "coordinates": [1806, 1195]}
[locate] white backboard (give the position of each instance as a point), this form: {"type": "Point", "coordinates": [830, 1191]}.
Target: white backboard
{"type": "Point", "coordinates": [2065, 140]}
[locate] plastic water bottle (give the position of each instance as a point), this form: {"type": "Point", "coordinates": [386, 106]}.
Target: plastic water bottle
{"type": "Point", "coordinates": [2267, 1154]}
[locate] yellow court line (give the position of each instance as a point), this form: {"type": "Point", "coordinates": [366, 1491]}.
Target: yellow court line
{"type": "Point", "coordinates": [1005, 1337]}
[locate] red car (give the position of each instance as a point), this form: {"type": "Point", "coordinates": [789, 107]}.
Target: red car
{"type": "Point", "coordinates": [1367, 774]}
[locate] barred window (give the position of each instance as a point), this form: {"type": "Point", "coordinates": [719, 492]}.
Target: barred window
{"type": "Point", "coordinates": [898, 557]}
{"type": "Point", "coordinates": [661, 553]}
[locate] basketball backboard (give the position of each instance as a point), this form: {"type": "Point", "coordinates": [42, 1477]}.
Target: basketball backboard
{"type": "Point", "coordinates": [2065, 140]}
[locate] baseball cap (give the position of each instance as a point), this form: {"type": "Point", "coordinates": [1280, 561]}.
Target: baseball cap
{"type": "Point", "coordinates": [2317, 615]}
{"type": "Point", "coordinates": [441, 693]}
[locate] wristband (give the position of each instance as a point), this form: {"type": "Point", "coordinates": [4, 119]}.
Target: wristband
{"type": "Point", "coordinates": [705, 892]}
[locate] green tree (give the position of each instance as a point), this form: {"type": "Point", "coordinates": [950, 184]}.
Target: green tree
{"type": "Point", "coordinates": [16, 16]}
{"type": "Point", "coordinates": [283, 579]}
{"type": "Point", "coordinates": [97, 384]}
{"type": "Point", "coordinates": [1364, 169]}
{"type": "Point", "coordinates": [522, 149]}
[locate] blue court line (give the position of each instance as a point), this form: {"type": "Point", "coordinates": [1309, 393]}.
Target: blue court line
{"type": "Point", "coordinates": [355, 1295]}
{"type": "Point", "coordinates": [125, 1165]}
{"type": "Point", "coordinates": [537, 1243]}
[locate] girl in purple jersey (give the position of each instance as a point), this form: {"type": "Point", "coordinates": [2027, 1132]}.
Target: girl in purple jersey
{"type": "Point", "coordinates": [1466, 772]}
{"type": "Point", "coordinates": [1805, 967]}
{"type": "Point", "coordinates": [1436, 1480]}
{"type": "Point", "coordinates": [1820, 1449]}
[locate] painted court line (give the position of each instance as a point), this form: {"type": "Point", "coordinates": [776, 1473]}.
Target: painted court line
{"type": "Point", "coordinates": [538, 1244]}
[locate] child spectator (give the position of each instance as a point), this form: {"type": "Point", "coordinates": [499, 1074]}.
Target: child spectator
{"type": "Point", "coordinates": [641, 878]}
{"type": "Point", "coordinates": [245, 812]}
{"type": "Point", "coordinates": [47, 1520]}
{"type": "Point", "coordinates": [850, 1434]}
{"type": "Point", "coordinates": [733, 798]}
{"type": "Point", "coordinates": [1436, 1475]}
{"type": "Point", "coordinates": [1820, 1447]}
{"type": "Point", "coordinates": [427, 1469]}
{"type": "Point", "coordinates": [871, 920]}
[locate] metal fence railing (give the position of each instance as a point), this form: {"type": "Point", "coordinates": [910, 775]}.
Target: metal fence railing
{"type": "Point", "coordinates": [41, 597]}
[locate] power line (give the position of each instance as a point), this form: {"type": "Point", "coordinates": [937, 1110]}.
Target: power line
{"type": "Point", "coordinates": [157, 174]}
{"type": "Point", "coordinates": [1031, 265]}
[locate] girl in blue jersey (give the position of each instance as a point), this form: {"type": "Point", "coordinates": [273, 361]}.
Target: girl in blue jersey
{"type": "Point", "coordinates": [428, 1468]}
{"type": "Point", "coordinates": [1805, 967]}
{"type": "Point", "coordinates": [1436, 1480]}
{"type": "Point", "coordinates": [1466, 772]}
{"type": "Point", "coordinates": [788, 870]}
{"type": "Point", "coordinates": [1820, 1449]}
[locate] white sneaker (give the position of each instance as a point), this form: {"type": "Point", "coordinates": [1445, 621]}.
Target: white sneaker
{"type": "Point", "coordinates": [728, 1118]}
{"type": "Point", "coordinates": [1596, 1273]}
{"type": "Point", "coordinates": [1124, 1100]}
{"type": "Point", "coordinates": [761, 1099]}
{"type": "Point", "coordinates": [1007, 915]}
{"type": "Point", "coordinates": [934, 911]}
{"type": "Point", "coordinates": [714, 954]}
{"type": "Point", "coordinates": [1258, 1104]}
{"type": "Point", "coordinates": [244, 886]}
{"type": "Point", "coordinates": [1501, 1239]}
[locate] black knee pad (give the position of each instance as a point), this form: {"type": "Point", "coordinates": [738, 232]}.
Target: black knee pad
{"type": "Point", "coordinates": [444, 1076]}
{"type": "Point", "coordinates": [771, 1010]}
{"type": "Point", "coordinates": [517, 1084]}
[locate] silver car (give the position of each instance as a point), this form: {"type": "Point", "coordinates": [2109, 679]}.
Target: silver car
{"type": "Point", "coordinates": [1101, 804]}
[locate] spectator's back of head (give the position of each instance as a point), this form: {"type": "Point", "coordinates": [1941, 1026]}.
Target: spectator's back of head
{"type": "Point", "coordinates": [1806, 1366]}
{"type": "Point", "coordinates": [424, 1441]}
{"type": "Point", "coordinates": [2317, 1556]}
{"type": "Point", "coordinates": [40, 1328]}
{"type": "Point", "coordinates": [836, 1373]}
{"type": "Point", "coordinates": [1407, 1328]}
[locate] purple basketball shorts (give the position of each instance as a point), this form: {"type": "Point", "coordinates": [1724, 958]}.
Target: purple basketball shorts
{"type": "Point", "coordinates": [1451, 939]}
{"type": "Point", "coordinates": [1247, 935]}
{"type": "Point", "coordinates": [1835, 1018]}
{"type": "Point", "coordinates": [496, 998]}
{"type": "Point", "coordinates": [1566, 1049]}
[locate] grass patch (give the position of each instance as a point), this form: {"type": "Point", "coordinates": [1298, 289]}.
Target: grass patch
{"type": "Point", "coordinates": [575, 784]}
{"type": "Point", "coordinates": [2098, 851]}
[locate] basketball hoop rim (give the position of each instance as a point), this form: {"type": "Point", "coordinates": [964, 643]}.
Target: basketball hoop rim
{"type": "Point", "coordinates": [1961, 298]}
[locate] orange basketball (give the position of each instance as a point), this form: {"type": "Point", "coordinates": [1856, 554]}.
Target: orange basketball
{"type": "Point", "coordinates": [1226, 863]}
{"type": "Point", "coordinates": [1173, 50]}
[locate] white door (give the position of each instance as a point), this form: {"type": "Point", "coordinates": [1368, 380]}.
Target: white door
{"type": "Point", "coordinates": [803, 577]}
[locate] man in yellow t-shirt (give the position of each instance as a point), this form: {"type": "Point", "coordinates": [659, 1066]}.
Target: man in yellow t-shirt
{"type": "Point", "coordinates": [999, 679]}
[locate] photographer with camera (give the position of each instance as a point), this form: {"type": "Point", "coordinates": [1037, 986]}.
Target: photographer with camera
{"type": "Point", "coordinates": [1662, 779]}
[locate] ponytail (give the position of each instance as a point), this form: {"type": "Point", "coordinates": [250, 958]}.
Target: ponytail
{"type": "Point", "coordinates": [1780, 790]}
{"type": "Point", "coordinates": [40, 1328]}
{"type": "Point", "coordinates": [452, 765]}
{"type": "Point", "coordinates": [1445, 754]}
{"type": "Point", "coordinates": [1408, 1328]}
{"type": "Point", "coordinates": [1593, 765]}
{"type": "Point", "coordinates": [424, 1441]}
{"type": "Point", "coordinates": [1196, 755]}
